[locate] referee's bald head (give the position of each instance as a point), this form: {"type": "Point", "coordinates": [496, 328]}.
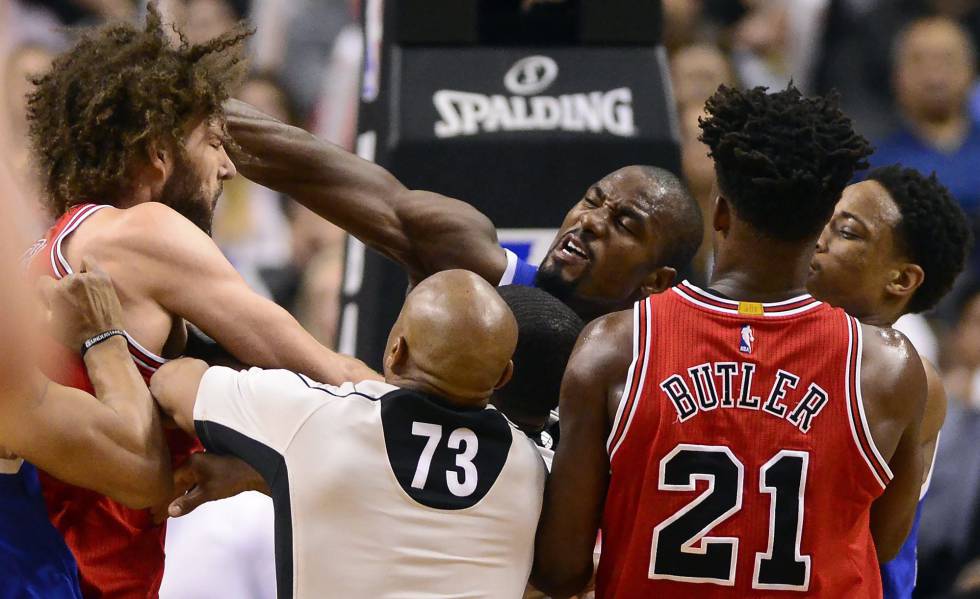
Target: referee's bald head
{"type": "Point", "coordinates": [454, 337]}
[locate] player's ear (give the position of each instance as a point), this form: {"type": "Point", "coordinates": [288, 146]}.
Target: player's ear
{"type": "Point", "coordinates": [159, 159]}
{"type": "Point", "coordinates": [397, 355]}
{"type": "Point", "coordinates": [658, 281]}
{"type": "Point", "coordinates": [905, 280]}
{"type": "Point", "coordinates": [505, 375]}
{"type": "Point", "coordinates": [721, 219]}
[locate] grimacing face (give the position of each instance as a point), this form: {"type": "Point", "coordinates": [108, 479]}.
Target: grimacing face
{"type": "Point", "coordinates": [607, 242]}
{"type": "Point", "coordinates": [856, 250]}
{"type": "Point", "coordinates": [198, 175]}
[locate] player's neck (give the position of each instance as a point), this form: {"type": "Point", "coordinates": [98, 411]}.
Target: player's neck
{"type": "Point", "coordinates": [761, 272]}
{"type": "Point", "coordinates": [881, 316]}
{"type": "Point", "coordinates": [876, 320]}
{"type": "Point", "coordinates": [139, 194]}
{"type": "Point", "coordinates": [589, 310]}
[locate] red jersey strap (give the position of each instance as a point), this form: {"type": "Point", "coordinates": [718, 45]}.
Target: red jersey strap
{"type": "Point", "coordinates": [635, 377]}
{"type": "Point", "coordinates": [699, 297]}
{"type": "Point", "coordinates": [76, 216]}
{"type": "Point", "coordinates": [855, 406]}
{"type": "Point", "coordinates": [147, 362]}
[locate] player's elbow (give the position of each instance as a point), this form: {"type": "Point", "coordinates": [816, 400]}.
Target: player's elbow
{"type": "Point", "coordinates": [148, 490]}
{"type": "Point", "coordinates": [889, 531]}
{"type": "Point", "coordinates": [171, 384]}
{"type": "Point", "coordinates": [560, 580]}
{"type": "Point", "coordinates": [143, 479]}
{"type": "Point", "coordinates": [889, 543]}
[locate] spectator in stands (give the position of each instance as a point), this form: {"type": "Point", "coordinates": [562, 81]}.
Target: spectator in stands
{"type": "Point", "coordinates": [933, 72]}
{"type": "Point", "coordinates": [699, 175]}
{"type": "Point", "coordinates": [696, 71]}
{"type": "Point", "coordinates": [250, 226]}
{"type": "Point", "coordinates": [949, 536]}
{"type": "Point", "coordinates": [777, 41]}
{"type": "Point", "coordinates": [205, 19]}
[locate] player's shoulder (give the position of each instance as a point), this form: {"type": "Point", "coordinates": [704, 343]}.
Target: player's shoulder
{"type": "Point", "coordinates": [154, 231]}
{"type": "Point", "coordinates": [615, 323]}
{"type": "Point", "coordinates": [890, 347]}
{"type": "Point", "coordinates": [154, 223]}
{"type": "Point", "coordinates": [601, 357]}
{"type": "Point", "coordinates": [603, 340]}
{"type": "Point", "coordinates": [891, 368]}
{"type": "Point", "coordinates": [144, 227]}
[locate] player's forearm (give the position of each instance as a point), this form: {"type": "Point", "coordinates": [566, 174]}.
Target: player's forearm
{"type": "Point", "coordinates": [561, 569]}
{"type": "Point", "coordinates": [353, 193]}
{"type": "Point", "coordinates": [267, 336]}
{"type": "Point", "coordinates": [569, 524]}
{"type": "Point", "coordinates": [175, 386]}
{"type": "Point", "coordinates": [299, 352]}
{"type": "Point", "coordinates": [423, 231]}
{"type": "Point", "coordinates": [334, 369]}
{"type": "Point", "coordinates": [135, 424]}
{"type": "Point", "coordinates": [893, 514]}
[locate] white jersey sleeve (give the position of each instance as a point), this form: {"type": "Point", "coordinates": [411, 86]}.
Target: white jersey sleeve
{"type": "Point", "coordinates": [265, 406]}
{"type": "Point", "coordinates": [508, 277]}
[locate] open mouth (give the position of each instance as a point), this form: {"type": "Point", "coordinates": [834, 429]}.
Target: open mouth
{"type": "Point", "coordinates": [573, 248]}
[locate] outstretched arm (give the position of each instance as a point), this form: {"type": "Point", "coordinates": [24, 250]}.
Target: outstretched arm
{"type": "Point", "coordinates": [111, 443]}
{"type": "Point", "coordinates": [176, 264]}
{"type": "Point", "coordinates": [425, 232]}
{"type": "Point", "coordinates": [576, 489]}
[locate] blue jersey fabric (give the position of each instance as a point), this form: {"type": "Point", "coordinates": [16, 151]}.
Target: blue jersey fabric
{"type": "Point", "coordinates": [956, 169]}
{"type": "Point", "coordinates": [518, 271]}
{"type": "Point", "coordinates": [34, 560]}
{"type": "Point", "coordinates": [898, 575]}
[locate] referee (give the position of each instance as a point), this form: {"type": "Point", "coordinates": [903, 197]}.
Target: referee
{"type": "Point", "coordinates": [412, 486]}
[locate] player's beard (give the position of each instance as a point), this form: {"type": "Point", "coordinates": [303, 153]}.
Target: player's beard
{"type": "Point", "coordinates": [548, 278]}
{"type": "Point", "coordinates": [184, 192]}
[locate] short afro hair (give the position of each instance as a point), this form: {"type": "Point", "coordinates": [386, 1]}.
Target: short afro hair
{"type": "Point", "coordinates": [934, 232]}
{"type": "Point", "coordinates": [546, 333]}
{"type": "Point", "coordinates": [781, 159]}
{"type": "Point", "coordinates": [121, 88]}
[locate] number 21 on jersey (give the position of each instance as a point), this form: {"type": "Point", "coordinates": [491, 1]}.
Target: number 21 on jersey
{"type": "Point", "coordinates": [683, 551]}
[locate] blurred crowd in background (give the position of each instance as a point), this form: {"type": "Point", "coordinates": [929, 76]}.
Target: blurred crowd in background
{"type": "Point", "coordinates": [906, 72]}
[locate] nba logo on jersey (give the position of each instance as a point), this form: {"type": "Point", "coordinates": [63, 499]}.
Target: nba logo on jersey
{"type": "Point", "coordinates": [746, 338]}
{"type": "Point", "coordinates": [32, 251]}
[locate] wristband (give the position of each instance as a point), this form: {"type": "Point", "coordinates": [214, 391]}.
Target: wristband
{"type": "Point", "coordinates": [93, 341]}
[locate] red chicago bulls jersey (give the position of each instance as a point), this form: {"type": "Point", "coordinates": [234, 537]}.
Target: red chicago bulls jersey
{"type": "Point", "coordinates": [119, 550]}
{"type": "Point", "coordinates": [741, 461]}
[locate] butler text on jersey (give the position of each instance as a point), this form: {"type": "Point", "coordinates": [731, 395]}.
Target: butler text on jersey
{"type": "Point", "coordinates": [732, 385]}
